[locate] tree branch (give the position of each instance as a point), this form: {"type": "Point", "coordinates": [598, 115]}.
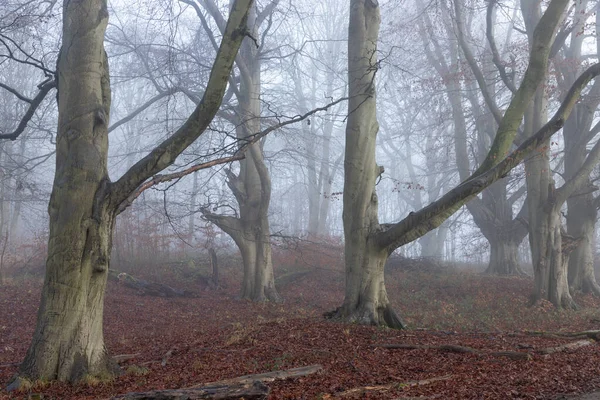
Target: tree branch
{"type": "Point", "coordinates": [166, 153]}
{"type": "Point", "coordinates": [416, 224]}
{"type": "Point", "coordinates": [176, 175]}
{"type": "Point", "coordinates": [33, 106]}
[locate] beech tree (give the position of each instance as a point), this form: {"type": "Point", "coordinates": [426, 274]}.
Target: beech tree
{"type": "Point", "coordinates": [68, 342]}
{"type": "Point", "coordinates": [252, 185]}
{"type": "Point", "coordinates": [368, 243]}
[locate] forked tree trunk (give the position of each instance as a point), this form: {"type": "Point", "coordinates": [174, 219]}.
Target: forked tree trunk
{"type": "Point", "coordinates": [366, 300]}
{"type": "Point", "coordinates": [252, 187]}
{"type": "Point", "coordinates": [68, 341]}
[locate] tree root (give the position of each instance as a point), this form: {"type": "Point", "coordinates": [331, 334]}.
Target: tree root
{"type": "Point", "coordinates": [368, 315]}
{"type": "Point", "coordinates": [396, 385]}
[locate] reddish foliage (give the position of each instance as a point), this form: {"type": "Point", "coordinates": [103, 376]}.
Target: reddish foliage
{"type": "Point", "coordinates": [215, 336]}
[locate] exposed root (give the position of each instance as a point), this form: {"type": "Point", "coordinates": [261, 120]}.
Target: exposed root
{"type": "Point", "coordinates": [368, 315]}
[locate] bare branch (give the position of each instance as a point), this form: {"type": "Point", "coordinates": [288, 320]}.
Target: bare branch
{"type": "Point", "coordinates": [33, 106]}
{"type": "Point", "coordinates": [416, 224]}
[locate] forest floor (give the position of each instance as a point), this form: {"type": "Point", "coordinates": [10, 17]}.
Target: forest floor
{"type": "Point", "coordinates": [183, 342]}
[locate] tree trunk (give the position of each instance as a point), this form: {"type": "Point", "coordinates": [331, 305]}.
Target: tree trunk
{"type": "Point", "coordinates": [550, 262]}
{"type": "Point", "coordinates": [252, 187]}
{"type": "Point", "coordinates": [68, 342]}
{"type": "Point", "coordinates": [259, 281]}
{"type": "Point", "coordinates": [503, 256]}
{"type": "Point", "coordinates": [581, 221]}
{"type": "Point", "coordinates": [582, 213]}
{"type": "Point", "coordinates": [365, 299]}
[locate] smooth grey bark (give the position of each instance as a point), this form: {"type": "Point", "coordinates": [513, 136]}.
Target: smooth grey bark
{"type": "Point", "coordinates": [493, 214]}
{"type": "Point", "coordinates": [578, 131]}
{"type": "Point", "coordinates": [252, 186]}
{"type": "Point", "coordinates": [368, 243]}
{"type": "Point", "coordinates": [68, 342]}
{"type": "Point", "coordinates": [365, 300]}
{"type": "Point", "coordinates": [550, 245]}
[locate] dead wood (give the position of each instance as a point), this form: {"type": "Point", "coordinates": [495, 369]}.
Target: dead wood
{"type": "Point", "coordinates": [569, 346]}
{"type": "Point", "coordinates": [166, 357]}
{"type": "Point", "coordinates": [290, 277]}
{"type": "Point", "coordinates": [125, 357]}
{"type": "Point", "coordinates": [396, 385]}
{"type": "Point", "coordinates": [271, 376]}
{"type": "Point", "coordinates": [595, 334]}
{"type": "Point", "coordinates": [246, 387]}
{"type": "Point", "coordinates": [146, 288]}
{"type": "Point", "coordinates": [253, 390]}
{"type": "Point", "coordinates": [15, 364]}
{"type": "Point", "coordinates": [514, 355]}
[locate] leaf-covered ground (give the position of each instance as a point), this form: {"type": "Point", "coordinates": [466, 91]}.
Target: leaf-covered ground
{"type": "Point", "coordinates": [215, 336]}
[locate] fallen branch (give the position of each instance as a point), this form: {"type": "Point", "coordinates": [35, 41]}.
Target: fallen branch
{"type": "Point", "coordinates": [166, 357]}
{"type": "Point", "coordinates": [125, 357]}
{"type": "Point", "coordinates": [395, 385]}
{"type": "Point", "coordinates": [271, 376]}
{"type": "Point", "coordinates": [246, 387]}
{"type": "Point", "coordinates": [514, 355]}
{"type": "Point", "coordinates": [595, 335]}
{"type": "Point", "coordinates": [569, 346]}
{"type": "Point", "coordinates": [254, 390]}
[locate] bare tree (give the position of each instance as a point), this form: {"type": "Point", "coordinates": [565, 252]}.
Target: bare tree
{"type": "Point", "coordinates": [68, 341]}
{"type": "Point", "coordinates": [367, 242]}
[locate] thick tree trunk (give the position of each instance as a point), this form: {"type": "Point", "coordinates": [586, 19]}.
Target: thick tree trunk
{"type": "Point", "coordinates": [582, 214]}
{"type": "Point", "coordinates": [550, 262]}
{"type": "Point", "coordinates": [252, 187]}
{"type": "Point", "coordinates": [68, 342]}
{"type": "Point", "coordinates": [258, 283]}
{"type": "Point", "coordinates": [365, 299]}
{"type": "Point", "coordinates": [504, 258]}
{"type": "Point", "coordinates": [581, 222]}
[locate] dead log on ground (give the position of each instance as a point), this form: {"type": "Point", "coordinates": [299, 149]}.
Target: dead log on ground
{"type": "Point", "coordinates": [246, 387]}
{"type": "Point", "coordinates": [396, 385]}
{"type": "Point", "coordinates": [514, 355]}
{"type": "Point", "coordinates": [254, 390]}
{"type": "Point", "coordinates": [569, 346]}
{"type": "Point", "coordinates": [146, 288]}
{"type": "Point", "coordinates": [125, 357]}
{"type": "Point", "coordinates": [271, 376]}
{"type": "Point", "coordinates": [595, 334]}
